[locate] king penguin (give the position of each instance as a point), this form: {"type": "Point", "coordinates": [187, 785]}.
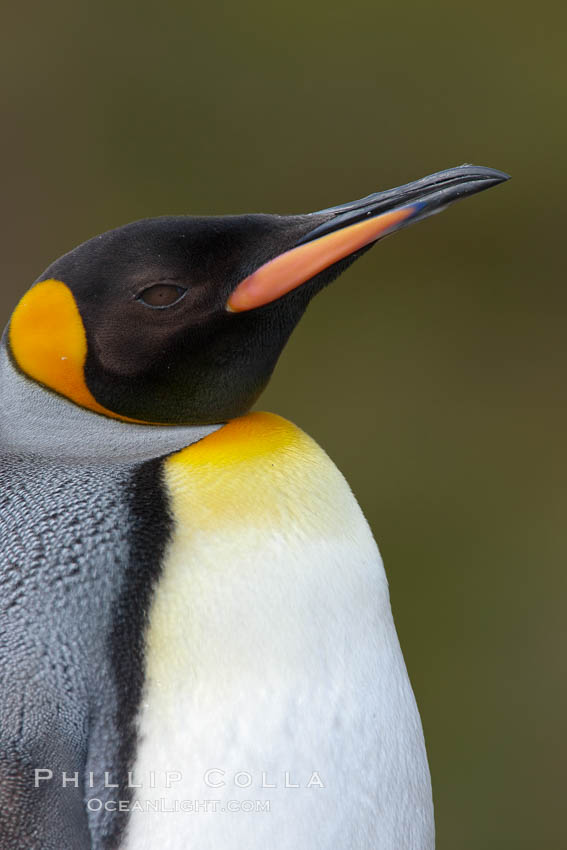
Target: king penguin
{"type": "Point", "coordinates": [196, 648]}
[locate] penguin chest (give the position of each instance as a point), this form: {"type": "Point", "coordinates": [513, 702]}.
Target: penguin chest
{"type": "Point", "coordinates": [277, 710]}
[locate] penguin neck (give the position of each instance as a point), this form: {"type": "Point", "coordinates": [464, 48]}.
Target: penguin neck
{"type": "Point", "coordinates": [35, 421]}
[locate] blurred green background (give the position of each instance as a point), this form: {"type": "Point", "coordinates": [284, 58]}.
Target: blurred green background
{"type": "Point", "coordinates": [432, 372]}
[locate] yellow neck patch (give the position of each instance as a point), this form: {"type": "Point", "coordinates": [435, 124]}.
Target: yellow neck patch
{"type": "Point", "coordinates": [48, 342]}
{"type": "Point", "coordinates": [253, 437]}
{"type": "Point", "coordinates": [258, 468]}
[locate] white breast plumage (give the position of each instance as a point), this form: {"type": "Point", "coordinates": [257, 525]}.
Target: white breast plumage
{"type": "Point", "coordinates": [272, 662]}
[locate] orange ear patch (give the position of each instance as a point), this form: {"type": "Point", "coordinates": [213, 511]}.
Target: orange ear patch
{"type": "Point", "coordinates": [48, 342]}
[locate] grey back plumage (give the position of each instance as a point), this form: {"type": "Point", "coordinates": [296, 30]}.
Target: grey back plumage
{"type": "Point", "coordinates": [84, 524]}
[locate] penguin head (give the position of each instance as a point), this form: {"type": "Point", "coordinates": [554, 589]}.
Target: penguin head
{"type": "Point", "coordinates": [182, 319]}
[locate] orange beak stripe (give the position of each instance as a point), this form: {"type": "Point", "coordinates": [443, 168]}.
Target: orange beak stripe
{"type": "Point", "coordinates": [289, 270]}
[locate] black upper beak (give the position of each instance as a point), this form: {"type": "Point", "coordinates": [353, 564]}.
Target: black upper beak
{"type": "Point", "coordinates": [434, 193]}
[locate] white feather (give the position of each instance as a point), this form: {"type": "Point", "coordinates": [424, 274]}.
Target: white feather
{"type": "Point", "coordinates": [273, 659]}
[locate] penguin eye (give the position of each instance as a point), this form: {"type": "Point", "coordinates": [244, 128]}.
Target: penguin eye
{"type": "Point", "coordinates": [162, 295]}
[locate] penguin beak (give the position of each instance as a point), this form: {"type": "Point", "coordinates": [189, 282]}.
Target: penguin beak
{"type": "Point", "coordinates": [342, 231]}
